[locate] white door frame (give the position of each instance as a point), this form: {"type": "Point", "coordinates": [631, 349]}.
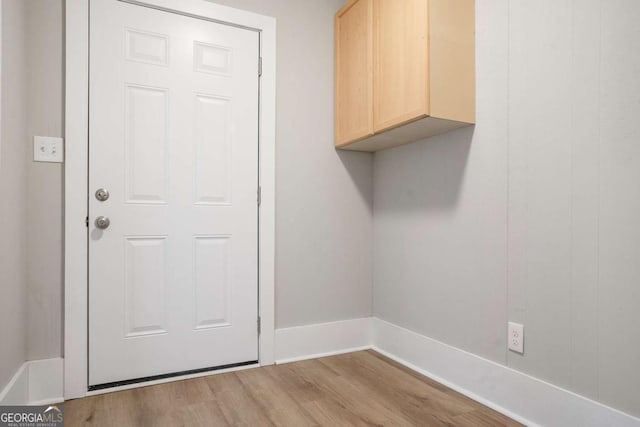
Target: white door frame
{"type": "Point", "coordinates": [77, 168]}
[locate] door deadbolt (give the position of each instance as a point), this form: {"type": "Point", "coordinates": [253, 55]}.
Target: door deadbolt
{"type": "Point", "coordinates": [102, 194]}
{"type": "Point", "coordinates": [102, 222]}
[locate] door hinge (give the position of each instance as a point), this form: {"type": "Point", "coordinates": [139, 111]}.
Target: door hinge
{"type": "Point", "coordinates": [260, 66]}
{"type": "Point", "coordinates": [86, 221]}
{"type": "Point", "coordinates": [258, 325]}
{"type": "Point", "coordinates": [259, 195]}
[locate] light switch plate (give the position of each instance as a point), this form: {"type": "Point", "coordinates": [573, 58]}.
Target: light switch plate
{"type": "Point", "coordinates": [48, 149]}
{"type": "Point", "coordinates": [515, 337]}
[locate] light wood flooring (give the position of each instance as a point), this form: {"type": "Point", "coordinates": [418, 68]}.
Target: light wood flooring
{"type": "Point", "coordinates": [355, 389]}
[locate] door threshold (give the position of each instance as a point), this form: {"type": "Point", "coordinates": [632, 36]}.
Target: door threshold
{"type": "Point", "coordinates": [155, 379]}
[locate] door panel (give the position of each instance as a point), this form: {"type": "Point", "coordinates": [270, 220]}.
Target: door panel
{"type": "Point", "coordinates": [354, 71]}
{"type": "Point", "coordinates": [146, 139]}
{"type": "Point", "coordinates": [212, 281]}
{"type": "Point", "coordinates": [145, 284]}
{"type": "Point", "coordinates": [173, 132]}
{"type": "Point", "coordinates": [213, 150]}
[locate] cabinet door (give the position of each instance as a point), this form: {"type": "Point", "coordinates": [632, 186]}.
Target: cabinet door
{"type": "Point", "coordinates": [354, 71]}
{"type": "Point", "coordinates": [401, 62]}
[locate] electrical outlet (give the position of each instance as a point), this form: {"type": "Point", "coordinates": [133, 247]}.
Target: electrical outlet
{"type": "Point", "coordinates": [515, 337]}
{"type": "Point", "coordinates": [48, 149]}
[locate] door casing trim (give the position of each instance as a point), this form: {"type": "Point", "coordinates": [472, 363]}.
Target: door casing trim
{"type": "Point", "coordinates": [77, 168]}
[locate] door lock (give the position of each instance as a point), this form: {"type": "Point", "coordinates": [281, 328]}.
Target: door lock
{"type": "Point", "coordinates": [102, 222]}
{"type": "Point", "coordinates": [102, 194]}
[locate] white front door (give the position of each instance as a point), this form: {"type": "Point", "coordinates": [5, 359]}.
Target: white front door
{"type": "Point", "coordinates": [173, 138]}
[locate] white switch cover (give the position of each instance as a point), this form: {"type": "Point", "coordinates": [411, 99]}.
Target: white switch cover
{"type": "Point", "coordinates": [516, 337]}
{"type": "Point", "coordinates": [48, 149]}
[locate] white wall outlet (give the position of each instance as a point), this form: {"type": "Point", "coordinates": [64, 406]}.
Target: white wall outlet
{"type": "Point", "coordinates": [515, 338]}
{"type": "Point", "coordinates": [48, 149]}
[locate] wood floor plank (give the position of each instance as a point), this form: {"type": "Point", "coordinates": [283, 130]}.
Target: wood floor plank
{"type": "Point", "coordinates": [240, 408]}
{"type": "Point", "coordinates": [301, 388]}
{"type": "Point", "coordinates": [354, 396]}
{"type": "Point", "coordinates": [388, 384]}
{"type": "Point", "coordinates": [223, 382]}
{"type": "Point", "coordinates": [330, 412]}
{"type": "Point", "coordinates": [203, 414]}
{"type": "Point", "coordinates": [355, 389]}
{"type": "Point", "coordinates": [275, 399]}
{"type": "Point", "coordinates": [498, 419]}
{"type": "Point", "coordinates": [431, 383]}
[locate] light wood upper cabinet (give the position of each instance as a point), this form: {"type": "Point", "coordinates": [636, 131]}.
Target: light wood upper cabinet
{"type": "Point", "coordinates": [354, 71]}
{"type": "Point", "coordinates": [421, 77]}
{"type": "Point", "coordinates": [400, 62]}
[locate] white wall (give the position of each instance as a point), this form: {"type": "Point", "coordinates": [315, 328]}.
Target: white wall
{"type": "Point", "coordinates": [533, 215]}
{"type": "Point", "coordinates": [13, 186]}
{"type": "Point", "coordinates": [44, 190]}
{"type": "Point", "coordinates": [323, 197]}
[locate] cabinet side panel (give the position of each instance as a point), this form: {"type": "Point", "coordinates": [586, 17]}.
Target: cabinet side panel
{"type": "Point", "coordinates": [400, 58]}
{"type": "Point", "coordinates": [452, 59]}
{"type": "Point", "coordinates": [354, 70]}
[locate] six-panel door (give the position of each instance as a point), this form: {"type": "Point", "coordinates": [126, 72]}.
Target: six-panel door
{"type": "Point", "coordinates": [174, 139]}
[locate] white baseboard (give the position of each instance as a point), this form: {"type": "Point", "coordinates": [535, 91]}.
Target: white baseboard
{"type": "Point", "coordinates": [522, 397]}
{"type": "Point", "coordinates": [323, 339]}
{"type": "Point", "coordinates": [36, 382]}
{"type": "Point", "coordinates": [519, 396]}
{"type": "Point", "coordinates": [16, 392]}
{"type": "Point", "coordinates": [46, 381]}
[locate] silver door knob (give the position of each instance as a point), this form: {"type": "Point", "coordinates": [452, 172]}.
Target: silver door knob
{"type": "Point", "coordinates": [102, 194]}
{"type": "Point", "coordinates": [102, 222]}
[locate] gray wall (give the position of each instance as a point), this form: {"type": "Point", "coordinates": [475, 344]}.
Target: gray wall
{"type": "Point", "coordinates": [323, 197]}
{"type": "Point", "coordinates": [31, 209]}
{"type": "Point", "coordinates": [533, 215]}
{"type": "Point", "coordinates": [13, 188]}
{"type": "Point", "coordinates": [44, 189]}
